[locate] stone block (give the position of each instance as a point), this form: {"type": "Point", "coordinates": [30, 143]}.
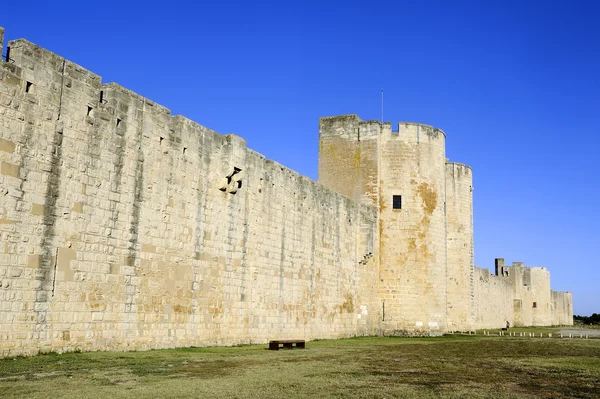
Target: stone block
{"type": "Point", "coordinates": [9, 169]}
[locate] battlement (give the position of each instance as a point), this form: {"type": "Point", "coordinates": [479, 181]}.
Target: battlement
{"type": "Point", "coordinates": [502, 269]}
{"type": "Point", "coordinates": [419, 130]}
{"type": "Point", "coordinates": [459, 165]}
{"type": "Point", "coordinates": [459, 171]}
{"type": "Point", "coordinates": [340, 117]}
{"type": "Point", "coordinates": [351, 127]}
{"type": "Point", "coordinates": [126, 220]}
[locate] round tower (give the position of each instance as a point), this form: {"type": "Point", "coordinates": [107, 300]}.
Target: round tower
{"type": "Point", "coordinates": [412, 227]}
{"type": "Point", "coordinates": [459, 230]}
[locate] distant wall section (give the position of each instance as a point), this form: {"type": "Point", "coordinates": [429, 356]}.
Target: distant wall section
{"type": "Point", "coordinates": [562, 311]}
{"type": "Point", "coordinates": [493, 299]}
{"type": "Point", "coordinates": [528, 289]}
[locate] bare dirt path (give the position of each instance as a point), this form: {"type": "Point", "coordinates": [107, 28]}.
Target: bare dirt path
{"type": "Point", "coordinates": [592, 332]}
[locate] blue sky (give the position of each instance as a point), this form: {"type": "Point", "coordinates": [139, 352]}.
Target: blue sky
{"type": "Point", "coordinates": [514, 84]}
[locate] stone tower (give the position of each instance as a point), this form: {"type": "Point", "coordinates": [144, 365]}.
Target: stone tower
{"type": "Point", "coordinates": [459, 231]}
{"type": "Point", "coordinates": [123, 227]}
{"type": "Point", "coordinates": [404, 173]}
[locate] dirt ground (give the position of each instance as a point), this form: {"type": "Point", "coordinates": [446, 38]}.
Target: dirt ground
{"type": "Point", "coordinates": [592, 332]}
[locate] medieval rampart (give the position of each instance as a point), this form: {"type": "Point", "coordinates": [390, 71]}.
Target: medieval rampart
{"type": "Point", "coordinates": [428, 281]}
{"type": "Point", "coordinates": [124, 227]}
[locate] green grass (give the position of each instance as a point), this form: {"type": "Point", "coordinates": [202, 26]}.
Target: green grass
{"type": "Point", "coordinates": [372, 367]}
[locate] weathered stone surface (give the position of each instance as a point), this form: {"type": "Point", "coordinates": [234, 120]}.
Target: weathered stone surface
{"type": "Point", "coordinates": [124, 227]}
{"type": "Point", "coordinates": [428, 281]}
{"type": "Point", "coordinates": [119, 236]}
{"type": "Point", "coordinates": [459, 230]}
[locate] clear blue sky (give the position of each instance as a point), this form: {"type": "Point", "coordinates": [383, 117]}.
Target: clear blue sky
{"type": "Point", "coordinates": [514, 84]}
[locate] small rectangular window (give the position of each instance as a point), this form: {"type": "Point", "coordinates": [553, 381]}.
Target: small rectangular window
{"type": "Point", "coordinates": [28, 87]}
{"type": "Point", "coordinates": [535, 304]}
{"type": "Point", "coordinates": [397, 202]}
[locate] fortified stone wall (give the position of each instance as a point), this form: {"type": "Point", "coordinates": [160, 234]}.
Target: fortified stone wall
{"type": "Point", "coordinates": [532, 290]}
{"type": "Point", "coordinates": [493, 299]}
{"type": "Point", "coordinates": [348, 157]}
{"type": "Point", "coordinates": [123, 227]}
{"type": "Point", "coordinates": [527, 289]}
{"type": "Point", "coordinates": [562, 313]}
{"type": "Point", "coordinates": [459, 225]}
{"type": "Point", "coordinates": [368, 162]}
{"type": "Point", "coordinates": [413, 233]}
{"type": "Point", "coordinates": [428, 281]}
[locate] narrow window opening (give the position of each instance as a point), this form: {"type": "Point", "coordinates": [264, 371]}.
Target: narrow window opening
{"type": "Point", "coordinates": [118, 122]}
{"type": "Point", "coordinates": [29, 87]}
{"type": "Point", "coordinates": [8, 54]}
{"type": "Point", "coordinates": [101, 96]}
{"type": "Point", "coordinates": [535, 304]}
{"type": "Point", "coordinates": [397, 202]}
{"type": "Point", "coordinates": [161, 140]}
{"type": "Point", "coordinates": [184, 150]}
{"type": "Point", "coordinates": [89, 112]}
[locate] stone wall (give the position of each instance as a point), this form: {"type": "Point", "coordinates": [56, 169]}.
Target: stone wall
{"type": "Point", "coordinates": [428, 281]}
{"type": "Point", "coordinates": [459, 226]}
{"type": "Point", "coordinates": [370, 163]}
{"type": "Point", "coordinates": [527, 289]}
{"type": "Point", "coordinates": [562, 313]}
{"type": "Point", "coordinates": [493, 299]}
{"type": "Point", "coordinates": [413, 234]}
{"type": "Point", "coordinates": [348, 157]}
{"type": "Point", "coordinates": [123, 227]}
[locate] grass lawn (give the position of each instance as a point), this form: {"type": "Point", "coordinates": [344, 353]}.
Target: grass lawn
{"type": "Point", "coordinates": [373, 367]}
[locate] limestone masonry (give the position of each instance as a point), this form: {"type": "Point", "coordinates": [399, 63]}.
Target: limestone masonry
{"type": "Point", "coordinates": [123, 227]}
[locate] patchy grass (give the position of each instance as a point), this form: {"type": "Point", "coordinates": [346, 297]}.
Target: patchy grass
{"type": "Point", "coordinates": [373, 367]}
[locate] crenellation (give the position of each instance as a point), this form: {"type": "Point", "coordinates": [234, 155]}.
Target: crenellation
{"type": "Point", "coordinates": [124, 227]}
{"type": "Point", "coordinates": [411, 131]}
{"type": "Point", "coordinates": [409, 166]}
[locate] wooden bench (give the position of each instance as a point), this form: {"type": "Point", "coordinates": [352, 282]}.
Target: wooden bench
{"type": "Point", "coordinates": [287, 344]}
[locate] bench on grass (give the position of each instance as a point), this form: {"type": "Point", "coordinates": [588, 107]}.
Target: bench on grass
{"type": "Point", "coordinates": [287, 344]}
